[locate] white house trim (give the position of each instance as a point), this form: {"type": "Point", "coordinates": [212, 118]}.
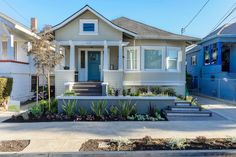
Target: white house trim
{"type": "Point", "coordinates": [136, 48]}
{"type": "Point", "coordinates": [97, 14]}
{"type": "Point", "coordinates": [92, 43]}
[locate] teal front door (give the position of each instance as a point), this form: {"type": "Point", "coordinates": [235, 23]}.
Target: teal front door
{"type": "Point", "coordinates": [94, 61]}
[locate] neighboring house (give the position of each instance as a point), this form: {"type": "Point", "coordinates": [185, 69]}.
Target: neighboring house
{"type": "Point", "coordinates": [122, 53]}
{"type": "Point", "coordinates": [14, 61]}
{"type": "Point", "coordinates": [212, 63]}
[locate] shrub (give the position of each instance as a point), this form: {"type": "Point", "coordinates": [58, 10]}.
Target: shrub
{"type": "Point", "coordinates": [37, 110]}
{"type": "Point", "coordinates": [99, 108]}
{"type": "Point", "coordinates": [143, 89]}
{"type": "Point", "coordinates": [152, 110]}
{"type": "Point", "coordinates": [170, 92]}
{"type": "Point", "coordinates": [45, 106]}
{"type": "Point", "coordinates": [156, 90]}
{"type": "Point", "coordinates": [69, 107]}
{"type": "Point", "coordinates": [126, 109]}
{"type": "Point", "coordinates": [124, 93]}
{"type": "Point", "coordinates": [177, 143]}
{"type": "Point", "coordinates": [69, 93]}
{"type": "Point", "coordinates": [5, 89]}
{"type": "Point", "coordinates": [82, 111]}
{"type": "Point", "coordinates": [110, 91]}
{"type": "Point", "coordinates": [114, 111]}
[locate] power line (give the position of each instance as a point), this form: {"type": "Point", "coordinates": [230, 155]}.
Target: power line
{"type": "Point", "coordinates": [195, 16]}
{"type": "Point", "coordinates": [15, 10]}
{"type": "Point", "coordinates": [227, 14]}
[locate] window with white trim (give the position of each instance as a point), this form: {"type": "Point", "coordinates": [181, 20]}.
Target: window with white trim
{"type": "Point", "coordinates": [172, 58]}
{"type": "Point", "coordinates": [88, 27]}
{"type": "Point", "coordinates": [132, 55]}
{"type": "Point", "coordinates": [153, 57]}
{"type": "Point", "coordinates": [194, 60]}
{"type": "Point", "coordinates": [5, 50]}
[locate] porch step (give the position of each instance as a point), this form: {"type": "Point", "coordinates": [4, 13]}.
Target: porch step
{"type": "Point", "coordinates": [183, 103]}
{"type": "Point", "coordinates": [187, 108]}
{"type": "Point", "coordinates": [87, 88]}
{"type": "Point", "coordinates": [203, 113]}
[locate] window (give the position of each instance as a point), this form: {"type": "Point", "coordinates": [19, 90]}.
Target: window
{"type": "Point", "coordinates": [88, 27]}
{"type": "Point", "coordinates": [172, 58]}
{"type": "Point", "coordinates": [33, 83]}
{"type": "Point", "coordinates": [214, 54]}
{"type": "Point", "coordinates": [153, 58]}
{"type": "Point", "coordinates": [132, 58]}
{"type": "Point", "coordinates": [4, 50]}
{"type": "Point", "coordinates": [194, 60]}
{"type": "Point", "coordinates": [82, 59]}
{"type": "Point", "coordinates": [206, 56]}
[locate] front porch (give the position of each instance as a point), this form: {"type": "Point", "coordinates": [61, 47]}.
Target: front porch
{"type": "Point", "coordinates": [90, 61]}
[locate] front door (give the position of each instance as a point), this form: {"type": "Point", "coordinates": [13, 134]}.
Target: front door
{"type": "Point", "coordinates": [94, 61]}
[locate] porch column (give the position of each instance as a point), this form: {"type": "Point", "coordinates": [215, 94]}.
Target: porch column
{"type": "Point", "coordinates": [219, 47]}
{"type": "Point", "coordinates": [72, 56]}
{"type": "Point", "coordinates": [105, 60]}
{"type": "Point", "coordinates": [10, 47]}
{"type": "Point", "coordinates": [120, 55]}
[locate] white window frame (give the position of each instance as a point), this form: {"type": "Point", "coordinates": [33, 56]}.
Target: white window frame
{"type": "Point", "coordinates": [136, 48]}
{"type": "Point", "coordinates": [179, 58]}
{"type": "Point", "coordinates": [83, 21]}
{"type": "Point", "coordinates": [162, 49]}
{"type": "Point", "coordinates": [195, 60]}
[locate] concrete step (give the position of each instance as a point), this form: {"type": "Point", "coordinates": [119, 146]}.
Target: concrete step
{"type": "Point", "coordinates": [183, 103]}
{"type": "Point", "coordinates": [88, 94]}
{"type": "Point", "coordinates": [86, 90]}
{"type": "Point", "coordinates": [203, 113]}
{"type": "Point", "coordinates": [185, 108]}
{"type": "Point", "coordinates": [87, 86]}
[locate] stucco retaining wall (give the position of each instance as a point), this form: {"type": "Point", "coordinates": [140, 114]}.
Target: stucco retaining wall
{"type": "Point", "coordinates": [142, 103]}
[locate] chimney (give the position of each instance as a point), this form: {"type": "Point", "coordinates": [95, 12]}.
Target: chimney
{"type": "Point", "coordinates": [34, 25]}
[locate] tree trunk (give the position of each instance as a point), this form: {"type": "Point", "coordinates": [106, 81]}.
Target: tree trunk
{"type": "Point", "coordinates": [37, 89]}
{"type": "Point", "coordinates": [49, 94]}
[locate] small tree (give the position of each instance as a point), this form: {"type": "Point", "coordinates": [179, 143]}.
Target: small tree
{"type": "Point", "coordinates": [46, 57]}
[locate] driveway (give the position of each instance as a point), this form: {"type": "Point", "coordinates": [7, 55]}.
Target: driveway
{"type": "Point", "coordinates": [222, 108]}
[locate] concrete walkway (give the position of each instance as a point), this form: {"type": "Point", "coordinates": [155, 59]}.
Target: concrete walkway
{"type": "Point", "coordinates": [222, 108]}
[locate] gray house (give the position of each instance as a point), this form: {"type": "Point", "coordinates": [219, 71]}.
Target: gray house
{"type": "Point", "coordinates": [121, 53]}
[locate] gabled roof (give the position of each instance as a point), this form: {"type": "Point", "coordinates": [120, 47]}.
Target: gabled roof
{"type": "Point", "coordinates": [227, 30]}
{"type": "Point", "coordinates": [88, 8]}
{"type": "Point", "coordinates": [144, 31]}
{"type": "Point", "coordinates": [16, 25]}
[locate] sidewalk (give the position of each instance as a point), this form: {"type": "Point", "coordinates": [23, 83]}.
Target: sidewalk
{"type": "Point", "coordinates": [222, 108]}
{"type": "Point", "coordinates": [68, 136]}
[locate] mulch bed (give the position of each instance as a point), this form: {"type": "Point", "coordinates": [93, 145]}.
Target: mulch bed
{"type": "Point", "coordinates": [63, 118]}
{"type": "Point", "coordinates": [14, 145]}
{"type": "Point", "coordinates": [147, 143]}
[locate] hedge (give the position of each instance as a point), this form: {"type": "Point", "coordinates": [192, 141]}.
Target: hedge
{"type": "Point", "coordinates": [5, 88]}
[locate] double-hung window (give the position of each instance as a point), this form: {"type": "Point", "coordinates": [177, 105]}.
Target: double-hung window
{"type": "Point", "coordinates": [88, 27]}
{"type": "Point", "coordinates": [152, 57]}
{"type": "Point", "coordinates": [132, 55]}
{"type": "Point", "coordinates": [194, 60]}
{"type": "Point", "coordinates": [173, 58]}
{"type": "Point", "coordinates": [5, 50]}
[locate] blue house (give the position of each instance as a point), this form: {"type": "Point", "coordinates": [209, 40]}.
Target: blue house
{"type": "Point", "coordinates": [212, 64]}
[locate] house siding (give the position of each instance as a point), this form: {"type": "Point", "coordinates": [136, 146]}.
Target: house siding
{"type": "Point", "coordinates": [72, 29]}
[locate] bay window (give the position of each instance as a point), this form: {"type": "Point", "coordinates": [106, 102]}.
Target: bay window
{"type": "Point", "coordinates": [153, 57]}
{"type": "Point", "coordinates": [132, 55]}
{"type": "Point", "coordinates": [172, 58]}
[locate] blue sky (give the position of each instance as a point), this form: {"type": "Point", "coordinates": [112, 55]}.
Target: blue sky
{"type": "Point", "coordinates": [170, 15]}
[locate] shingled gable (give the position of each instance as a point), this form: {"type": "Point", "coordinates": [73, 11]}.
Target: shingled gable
{"type": "Point", "coordinates": [88, 8]}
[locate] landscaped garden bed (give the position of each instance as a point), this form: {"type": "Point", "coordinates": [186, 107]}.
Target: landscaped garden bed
{"type": "Point", "coordinates": [99, 111]}
{"type": "Point", "coordinates": [13, 145]}
{"type": "Point", "coordinates": [147, 143]}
